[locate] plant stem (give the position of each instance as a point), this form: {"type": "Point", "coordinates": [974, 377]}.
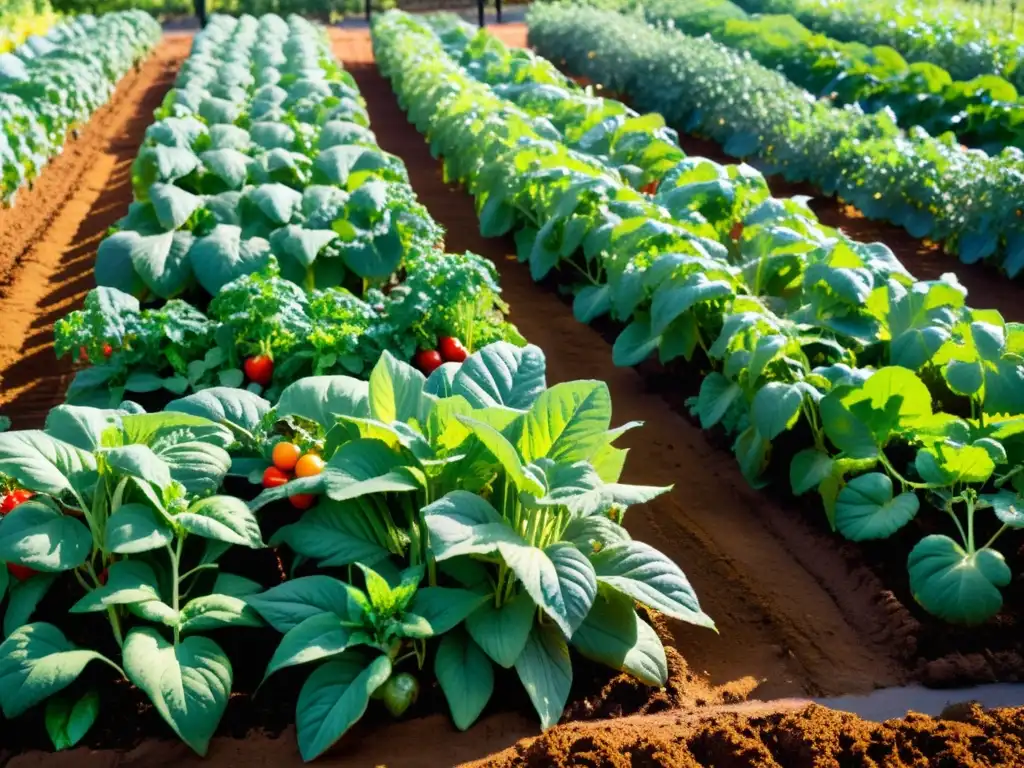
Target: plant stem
{"type": "Point", "coordinates": [175, 585]}
{"type": "Point", "coordinates": [970, 525]}
{"type": "Point", "coordinates": [202, 567]}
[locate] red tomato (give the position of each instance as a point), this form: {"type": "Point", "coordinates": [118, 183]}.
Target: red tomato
{"type": "Point", "coordinates": [20, 572]}
{"type": "Point", "coordinates": [107, 350]}
{"type": "Point", "coordinates": [737, 230]}
{"type": "Point", "coordinates": [103, 575]}
{"type": "Point", "coordinates": [259, 368]}
{"type": "Point", "coordinates": [429, 360]}
{"type": "Point", "coordinates": [13, 499]}
{"type": "Point", "coordinates": [309, 465]}
{"type": "Point", "coordinates": [451, 349]}
{"type": "Point", "coordinates": [83, 355]}
{"type": "Point", "coordinates": [302, 500]}
{"type": "Point", "coordinates": [649, 188]}
{"type": "Point", "coordinates": [273, 477]}
{"type": "Point", "coordinates": [286, 455]}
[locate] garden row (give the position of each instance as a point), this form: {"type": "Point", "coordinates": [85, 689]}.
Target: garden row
{"type": "Point", "coordinates": [446, 527]}
{"type": "Point", "coordinates": [930, 186]}
{"type": "Point", "coordinates": [951, 37]}
{"type": "Point", "coordinates": [262, 198]}
{"type": "Point", "coordinates": [985, 112]}
{"type": "Point", "coordinates": [53, 84]}
{"type": "Point", "coordinates": [825, 361]}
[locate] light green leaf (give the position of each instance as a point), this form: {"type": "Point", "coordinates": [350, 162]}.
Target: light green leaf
{"type": "Point", "coordinates": [36, 535]}
{"type": "Point", "coordinates": [128, 581]}
{"type": "Point", "coordinates": [312, 639]}
{"type": "Point", "coordinates": [502, 374]}
{"type": "Point", "coordinates": [546, 672]}
{"type": "Point", "coordinates": [956, 586]}
{"type": "Point", "coordinates": [396, 391]}
{"type": "Point", "coordinates": [466, 677]}
{"type": "Point", "coordinates": [224, 518]}
{"type": "Point", "coordinates": [866, 509]}
{"type": "Point", "coordinates": [290, 603]}
{"type": "Point", "coordinates": [68, 720]}
{"type": "Point", "coordinates": [136, 528]}
{"type": "Point", "coordinates": [319, 398]}
{"type": "Point", "coordinates": [502, 632]}
{"type": "Point", "coordinates": [40, 463]}
{"type": "Point", "coordinates": [567, 422]}
{"type": "Point", "coordinates": [207, 612]}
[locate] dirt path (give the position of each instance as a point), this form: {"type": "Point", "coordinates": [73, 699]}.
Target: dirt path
{"type": "Point", "coordinates": [48, 240]}
{"type": "Point", "coordinates": [987, 288]}
{"type": "Point", "coordinates": [779, 593]}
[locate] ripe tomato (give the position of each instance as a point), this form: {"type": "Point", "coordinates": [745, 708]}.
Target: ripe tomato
{"type": "Point", "coordinates": [13, 499]}
{"type": "Point", "coordinates": [302, 500]}
{"type": "Point", "coordinates": [309, 465]}
{"type": "Point", "coordinates": [286, 455]}
{"type": "Point", "coordinates": [428, 360]}
{"type": "Point", "coordinates": [400, 692]}
{"type": "Point", "coordinates": [273, 477]}
{"type": "Point", "coordinates": [107, 350]}
{"type": "Point", "coordinates": [20, 572]}
{"type": "Point", "coordinates": [451, 349]}
{"type": "Point", "coordinates": [650, 188]}
{"type": "Point", "coordinates": [259, 368]}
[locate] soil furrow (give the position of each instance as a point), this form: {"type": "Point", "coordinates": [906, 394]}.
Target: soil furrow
{"type": "Point", "coordinates": [780, 627]}
{"type": "Point", "coordinates": [48, 240]}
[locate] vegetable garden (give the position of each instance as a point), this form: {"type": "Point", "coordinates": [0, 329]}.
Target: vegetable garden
{"type": "Point", "coordinates": [329, 447]}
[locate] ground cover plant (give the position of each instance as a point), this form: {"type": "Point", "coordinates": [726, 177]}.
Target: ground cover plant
{"type": "Point", "coordinates": [824, 360]}
{"type": "Point", "coordinates": [930, 186]}
{"type": "Point", "coordinates": [22, 19]}
{"type": "Point", "coordinates": [52, 84]}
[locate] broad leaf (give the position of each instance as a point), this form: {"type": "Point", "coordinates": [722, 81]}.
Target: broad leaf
{"type": "Point", "coordinates": [68, 720]}
{"type": "Point", "coordinates": [545, 670]}
{"type": "Point", "coordinates": [956, 586]}
{"type": "Point", "coordinates": [866, 509]}
{"type": "Point", "coordinates": [317, 637]}
{"type": "Point", "coordinates": [36, 535]}
{"type": "Point", "coordinates": [287, 605]}
{"type": "Point", "coordinates": [40, 463]}
{"type": "Point", "coordinates": [466, 677]}
{"type": "Point", "coordinates": [502, 632]}
{"type": "Point", "coordinates": [502, 374]}
{"type": "Point", "coordinates": [224, 518]}
{"type": "Point", "coordinates": [615, 636]}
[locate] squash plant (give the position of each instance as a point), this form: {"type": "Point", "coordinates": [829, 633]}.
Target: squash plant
{"type": "Point", "coordinates": [504, 495]}
{"type": "Point", "coordinates": [125, 506]}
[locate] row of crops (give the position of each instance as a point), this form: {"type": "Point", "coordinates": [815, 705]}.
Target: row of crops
{"type": "Point", "coordinates": [446, 521]}
{"type": "Point", "coordinates": [931, 186]}
{"type": "Point", "coordinates": [827, 363]}
{"type": "Point", "coordinates": [22, 19]}
{"type": "Point", "coordinates": [54, 83]}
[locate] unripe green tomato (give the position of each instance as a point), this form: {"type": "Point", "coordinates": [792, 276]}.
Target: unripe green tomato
{"type": "Point", "coordinates": [399, 693]}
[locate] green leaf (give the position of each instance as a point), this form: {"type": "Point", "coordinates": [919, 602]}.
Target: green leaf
{"type": "Point", "coordinates": [367, 466]}
{"type": "Point", "coordinates": [81, 426]}
{"type": "Point", "coordinates": [317, 637]}
{"type": "Point", "coordinates": [333, 699]}
{"type": "Point", "coordinates": [139, 461]}
{"type": "Point", "coordinates": [462, 523]}
{"type": "Point", "coordinates": [956, 586]}
{"type": "Point", "coordinates": [615, 636]}
{"type": "Point", "coordinates": [466, 677]}
{"type": "Point", "coordinates": [188, 683]}
{"type": "Point", "coordinates": [776, 408]}
{"type": "Point", "coordinates": [135, 528]}
{"type": "Point", "coordinates": [949, 464]}
{"type": "Point", "coordinates": [1008, 507]}
{"type": "Point", "coordinates": [67, 720]}
{"type": "Point", "coordinates": [224, 518]}
{"type": "Point", "coordinates": [199, 466]}
{"type": "Point", "coordinates": [502, 632]}
{"type": "Point", "coordinates": [24, 598]}
{"type": "Point", "coordinates": [444, 608]}
{"type": "Point", "coordinates": [636, 342]}
{"type": "Point", "coordinates": [335, 533]}
{"type": "Point", "coordinates": [559, 578]}
{"type": "Point", "coordinates": [396, 391]}
{"type": "Point", "coordinates": [37, 661]}
{"type": "Point", "coordinates": [649, 577]}
{"type": "Point", "coordinates": [716, 394]}
{"type": "Point", "coordinates": [173, 205]}
{"type": "Point", "coordinates": [224, 405]}
{"type": "Point", "coordinates": [38, 462]}
{"type": "Point", "coordinates": [808, 468]}
{"type": "Point", "coordinates": [201, 614]}
{"type": "Point", "coordinates": [546, 672]}
{"type": "Point", "coordinates": [36, 535]}
{"type": "Point", "coordinates": [128, 581]}
{"type": "Point", "coordinates": [223, 256]}
{"type": "Point", "coordinates": [866, 509]}
{"type": "Point", "coordinates": [964, 377]}
{"type": "Point", "coordinates": [321, 398]}
{"type": "Point", "coordinates": [506, 454]}
{"type": "Point", "coordinates": [287, 605]}
{"type": "Point", "coordinates": [502, 374]}
{"type": "Point", "coordinates": [567, 422]}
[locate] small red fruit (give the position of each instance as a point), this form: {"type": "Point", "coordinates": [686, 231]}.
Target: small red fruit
{"type": "Point", "coordinates": [103, 576]}
{"type": "Point", "coordinates": [736, 231]}
{"type": "Point", "coordinates": [302, 500]}
{"type": "Point", "coordinates": [428, 360]}
{"type": "Point", "coordinates": [273, 477]}
{"type": "Point", "coordinates": [650, 188]}
{"type": "Point", "coordinates": [13, 499]}
{"type": "Point", "coordinates": [451, 349]}
{"type": "Point", "coordinates": [20, 572]}
{"type": "Point", "coordinates": [83, 355]}
{"type": "Point", "coordinates": [259, 368]}
{"type": "Point", "coordinates": [107, 350]}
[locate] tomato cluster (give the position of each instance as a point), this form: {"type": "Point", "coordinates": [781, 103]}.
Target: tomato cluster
{"type": "Point", "coordinates": [9, 502]}
{"type": "Point", "coordinates": [290, 461]}
{"type": "Point", "coordinates": [449, 350]}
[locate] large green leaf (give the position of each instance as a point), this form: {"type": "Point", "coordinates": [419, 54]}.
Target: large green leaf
{"type": "Point", "coordinates": [24, 599]}
{"type": "Point", "coordinates": [321, 398]}
{"type": "Point", "coordinates": [68, 720]}
{"type": "Point", "coordinates": [335, 533]}
{"type": "Point", "coordinates": [318, 637]}
{"type": "Point", "coordinates": [502, 374]}
{"type": "Point", "coordinates": [776, 408]}
{"type": "Point", "coordinates": [188, 682]}
{"type": "Point", "coordinates": [866, 508]}
{"type": "Point", "coordinates": [396, 391]}
{"type": "Point", "coordinates": [224, 405]}
{"type": "Point", "coordinates": [614, 635]}
{"type": "Point", "coordinates": [502, 632]}
{"type": "Point", "coordinates": [649, 577]}
{"type": "Point", "coordinates": [223, 256]}
{"type": "Point", "coordinates": [206, 612]}
{"type": "Point", "coordinates": [36, 461]}
{"type": "Point", "coordinates": [135, 528]}
{"type": "Point", "coordinates": [37, 661]}
{"type": "Point", "coordinates": [139, 461]}
{"type": "Point", "coordinates": [81, 426]}
{"type": "Point", "coordinates": [333, 699]}
{"type": "Point", "coordinates": [462, 523]}
{"type": "Point", "coordinates": [545, 670]}
{"type": "Point", "coordinates": [128, 581]}
{"type": "Point", "coordinates": [365, 466]}
{"type": "Point", "coordinates": [36, 535]}
{"type": "Point", "coordinates": [567, 422]}
{"type": "Point", "coordinates": [199, 466]}
{"type": "Point", "coordinates": [160, 261]}
{"type": "Point", "coordinates": [287, 605]}
{"type": "Point", "coordinates": [716, 395]}
{"type": "Point", "coordinates": [954, 585]}
{"type": "Point", "coordinates": [224, 518]}
{"type": "Point", "coordinates": [443, 608]}
{"type": "Point", "coordinates": [466, 677]}
{"type": "Point", "coordinates": [506, 454]}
